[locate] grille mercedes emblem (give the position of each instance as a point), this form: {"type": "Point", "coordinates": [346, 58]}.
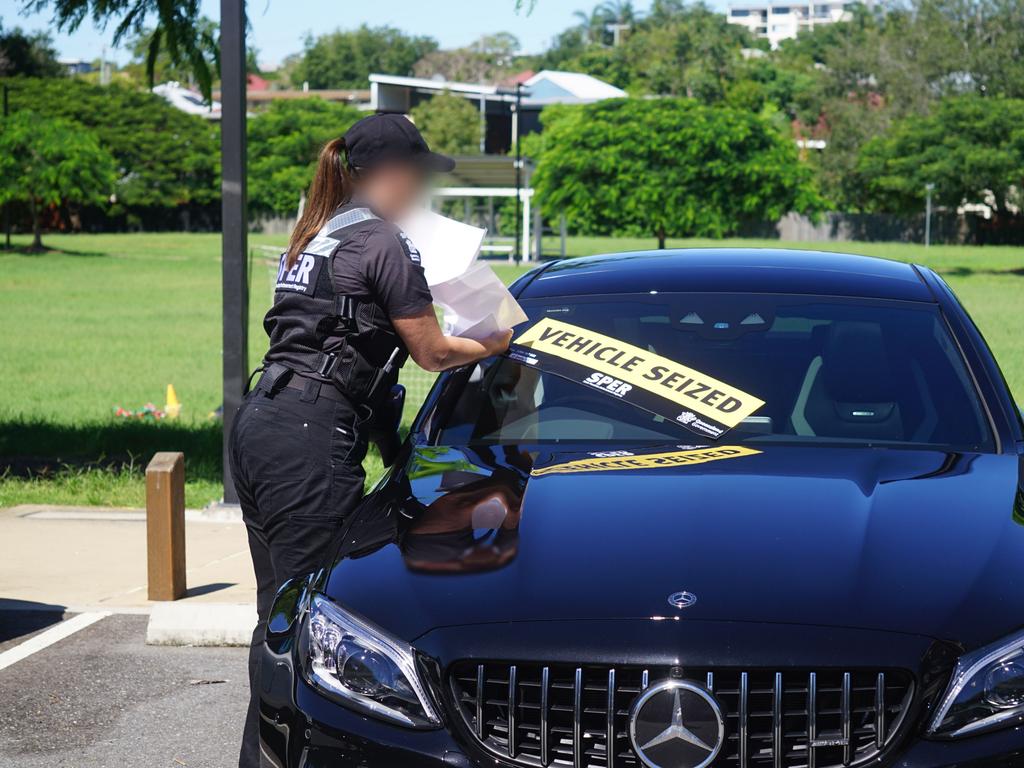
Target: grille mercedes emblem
{"type": "Point", "coordinates": [682, 599]}
{"type": "Point", "coordinates": [676, 724]}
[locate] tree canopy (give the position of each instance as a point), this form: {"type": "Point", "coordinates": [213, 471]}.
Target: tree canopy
{"type": "Point", "coordinates": [668, 167]}
{"type": "Point", "coordinates": [857, 86]}
{"type": "Point", "coordinates": [49, 161]}
{"type": "Point", "coordinates": [970, 148]}
{"type": "Point", "coordinates": [284, 142]}
{"type": "Point", "coordinates": [449, 123]}
{"type": "Point", "coordinates": [345, 58]}
{"type": "Point", "coordinates": [153, 64]}
{"type": "Point", "coordinates": [490, 59]}
{"type": "Point", "coordinates": [165, 158]}
{"type": "Point", "coordinates": [32, 55]}
{"type": "Point", "coordinates": [677, 49]}
{"type": "Point", "coordinates": [178, 28]}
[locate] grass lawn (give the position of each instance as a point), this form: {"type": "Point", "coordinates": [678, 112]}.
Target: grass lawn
{"type": "Point", "coordinates": [110, 320]}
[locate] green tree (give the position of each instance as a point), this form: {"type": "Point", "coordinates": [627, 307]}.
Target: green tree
{"type": "Point", "coordinates": [178, 30]}
{"type": "Point", "coordinates": [970, 148]}
{"type": "Point", "coordinates": [450, 124]}
{"type": "Point", "coordinates": [32, 55]}
{"type": "Point", "coordinates": [165, 158]}
{"type": "Point", "coordinates": [284, 142]}
{"type": "Point", "coordinates": [154, 64]}
{"type": "Point", "coordinates": [49, 161]}
{"type": "Point", "coordinates": [491, 58]}
{"type": "Point", "coordinates": [678, 49]}
{"type": "Point", "coordinates": [345, 58]}
{"type": "Point", "coordinates": [668, 168]}
{"type": "Point", "coordinates": [969, 45]}
{"type": "Point", "coordinates": [565, 47]}
{"type": "Point", "coordinates": [592, 25]}
{"type": "Point", "coordinates": [693, 52]}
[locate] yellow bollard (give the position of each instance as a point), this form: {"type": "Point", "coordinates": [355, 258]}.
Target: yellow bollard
{"type": "Point", "coordinates": [173, 406]}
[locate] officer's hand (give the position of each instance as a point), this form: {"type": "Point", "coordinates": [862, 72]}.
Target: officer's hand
{"type": "Point", "coordinates": [497, 343]}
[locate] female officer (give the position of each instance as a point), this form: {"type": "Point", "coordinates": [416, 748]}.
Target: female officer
{"type": "Point", "coordinates": [350, 305]}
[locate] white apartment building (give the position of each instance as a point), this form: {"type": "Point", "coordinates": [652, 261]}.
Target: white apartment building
{"type": "Point", "coordinates": [783, 20]}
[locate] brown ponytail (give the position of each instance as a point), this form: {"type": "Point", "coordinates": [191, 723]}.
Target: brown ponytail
{"type": "Point", "coordinates": [331, 187]}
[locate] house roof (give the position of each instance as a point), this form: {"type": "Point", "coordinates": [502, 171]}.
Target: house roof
{"type": "Point", "coordinates": [546, 87]}
{"type": "Point", "coordinates": [430, 84]}
{"type": "Point", "coordinates": [551, 85]}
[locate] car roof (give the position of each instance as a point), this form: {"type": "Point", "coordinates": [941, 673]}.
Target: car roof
{"type": "Point", "coordinates": [740, 270]}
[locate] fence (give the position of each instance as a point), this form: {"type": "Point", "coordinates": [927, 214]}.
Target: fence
{"type": "Point", "coordinates": [946, 227]}
{"type": "Point", "coordinates": [417, 383]}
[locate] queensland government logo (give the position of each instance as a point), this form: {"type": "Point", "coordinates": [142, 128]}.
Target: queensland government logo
{"type": "Point", "coordinates": [676, 724]}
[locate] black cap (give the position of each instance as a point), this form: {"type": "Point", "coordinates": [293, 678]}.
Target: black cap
{"type": "Point", "coordinates": [391, 138]}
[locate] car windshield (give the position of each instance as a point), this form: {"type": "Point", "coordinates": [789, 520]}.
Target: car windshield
{"type": "Point", "coordinates": [829, 370]}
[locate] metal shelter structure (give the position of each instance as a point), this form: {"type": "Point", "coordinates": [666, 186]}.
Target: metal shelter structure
{"type": "Point", "coordinates": [498, 176]}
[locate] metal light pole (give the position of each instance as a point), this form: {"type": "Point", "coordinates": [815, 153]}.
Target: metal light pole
{"type": "Point", "coordinates": [519, 169]}
{"type": "Point", "coordinates": [234, 221]}
{"type": "Point", "coordinates": [7, 206]}
{"type": "Point", "coordinates": [928, 214]}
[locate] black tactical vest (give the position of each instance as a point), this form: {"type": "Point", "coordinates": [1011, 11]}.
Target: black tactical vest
{"type": "Point", "coordinates": [320, 334]}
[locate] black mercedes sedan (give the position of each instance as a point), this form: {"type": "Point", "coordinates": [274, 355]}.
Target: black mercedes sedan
{"type": "Point", "coordinates": [744, 508]}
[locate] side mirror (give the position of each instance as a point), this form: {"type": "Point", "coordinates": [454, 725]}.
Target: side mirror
{"type": "Point", "coordinates": [386, 422]}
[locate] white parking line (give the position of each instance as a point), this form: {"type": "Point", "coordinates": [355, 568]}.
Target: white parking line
{"type": "Point", "coordinates": [49, 637]}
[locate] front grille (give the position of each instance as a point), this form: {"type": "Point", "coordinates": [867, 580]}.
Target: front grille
{"type": "Point", "coordinates": [563, 715]}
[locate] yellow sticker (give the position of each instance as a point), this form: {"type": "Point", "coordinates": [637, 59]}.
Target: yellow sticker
{"type": "Point", "coordinates": [630, 366]}
{"type": "Point", "coordinates": [648, 461]}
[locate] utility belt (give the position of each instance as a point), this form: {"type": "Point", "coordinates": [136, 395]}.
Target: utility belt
{"type": "Point", "coordinates": [342, 376]}
{"type": "Point", "coordinates": [276, 377]}
{"type": "Point", "coordinates": [382, 419]}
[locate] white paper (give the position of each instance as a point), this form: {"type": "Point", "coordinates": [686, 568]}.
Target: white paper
{"type": "Point", "coordinates": [474, 301]}
{"type": "Point", "coordinates": [477, 304]}
{"type": "Point", "coordinates": [447, 247]}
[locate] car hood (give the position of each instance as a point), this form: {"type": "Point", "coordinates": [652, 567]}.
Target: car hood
{"type": "Point", "coordinates": [921, 542]}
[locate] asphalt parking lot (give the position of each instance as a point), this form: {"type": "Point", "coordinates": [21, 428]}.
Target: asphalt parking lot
{"type": "Point", "coordinates": [101, 697]}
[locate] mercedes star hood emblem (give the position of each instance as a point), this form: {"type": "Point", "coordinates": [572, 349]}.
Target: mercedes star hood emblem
{"type": "Point", "coordinates": [682, 599]}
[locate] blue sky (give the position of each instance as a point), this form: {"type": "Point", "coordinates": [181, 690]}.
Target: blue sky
{"type": "Point", "coordinates": [279, 26]}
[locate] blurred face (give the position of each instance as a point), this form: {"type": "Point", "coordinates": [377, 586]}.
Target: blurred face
{"type": "Point", "coordinates": [393, 189]}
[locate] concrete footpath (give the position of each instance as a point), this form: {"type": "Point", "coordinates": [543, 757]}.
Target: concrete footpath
{"type": "Point", "coordinates": [94, 559]}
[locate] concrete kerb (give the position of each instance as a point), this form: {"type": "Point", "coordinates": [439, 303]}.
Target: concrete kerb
{"type": "Point", "coordinates": [216, 512]}
{"type": "Point", "coordinates": [200, 624]}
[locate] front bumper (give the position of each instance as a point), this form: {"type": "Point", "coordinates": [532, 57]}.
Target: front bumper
{"type": "Point", "coordinates": [300, 728]}
{"type": "Point", "coordinates": [321, 734]}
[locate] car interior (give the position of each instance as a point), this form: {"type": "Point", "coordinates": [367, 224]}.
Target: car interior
{"type": "Point", "coordinates": [878, 372]}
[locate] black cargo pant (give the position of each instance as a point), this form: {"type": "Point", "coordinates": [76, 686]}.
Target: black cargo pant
{"type": "Point", "coordinates": [296, 459]}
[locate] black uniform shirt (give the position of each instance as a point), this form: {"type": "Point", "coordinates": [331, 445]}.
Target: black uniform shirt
{"type": "Point", "coordinates": [376, 261]}
{"type": "Point", "coordinates": [373, 263]}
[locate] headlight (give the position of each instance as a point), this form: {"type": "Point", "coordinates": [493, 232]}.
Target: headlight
{"type": "Point", "coordinates": [364, 668]}
{"type": "Point", "coordinates": [987, 691]}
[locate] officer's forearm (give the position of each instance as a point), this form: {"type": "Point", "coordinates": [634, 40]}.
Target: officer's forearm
{"type": "Point", "coordinates": [458, 352]}
{"type": "Point", "coordinates": [432, 350]}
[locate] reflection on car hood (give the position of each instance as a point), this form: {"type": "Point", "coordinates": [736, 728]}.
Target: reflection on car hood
{"type": "Point", "coordinates": [921, 542]}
